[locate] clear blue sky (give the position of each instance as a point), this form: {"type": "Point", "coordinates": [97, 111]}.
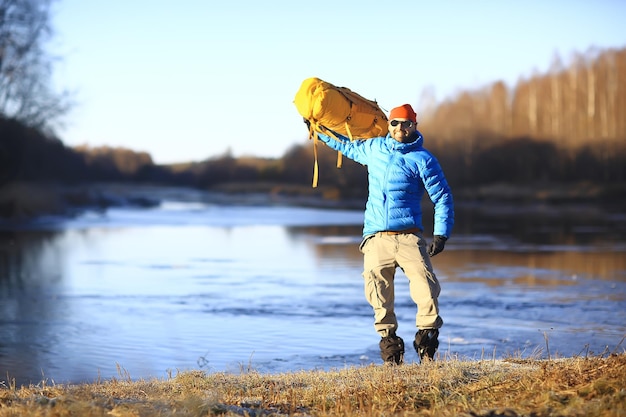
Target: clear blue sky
{"type": "Point", "coordinates": [189, 79]}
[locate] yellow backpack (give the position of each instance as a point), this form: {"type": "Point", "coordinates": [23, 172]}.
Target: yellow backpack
{"type": "Point", "coordinates": [339, 109]}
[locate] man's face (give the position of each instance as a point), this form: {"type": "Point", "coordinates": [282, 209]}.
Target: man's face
{"type": "Point", "coordinates": [402, 129]}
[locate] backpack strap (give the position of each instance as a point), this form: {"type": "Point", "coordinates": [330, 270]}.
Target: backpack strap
{"type": "Point", "coordinates": [314, 128]}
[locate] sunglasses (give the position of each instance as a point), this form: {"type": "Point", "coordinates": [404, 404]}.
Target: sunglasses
{"type": "Point", "coordinates": [404, 124]}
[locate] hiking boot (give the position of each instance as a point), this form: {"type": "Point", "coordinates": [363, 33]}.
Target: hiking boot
{"type": "Point", "coordinates": [426, 343]}
{"type": "Point", "coordinates": [392, 349]}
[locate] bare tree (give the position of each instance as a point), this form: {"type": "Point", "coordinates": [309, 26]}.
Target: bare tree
{"type": "Point", "coordinates": [25, 67]}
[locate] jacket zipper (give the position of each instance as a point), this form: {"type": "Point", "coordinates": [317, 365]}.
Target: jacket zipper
{"type": "Point", "coordinates": [385, 189]}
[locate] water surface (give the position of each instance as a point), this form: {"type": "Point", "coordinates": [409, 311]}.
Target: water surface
{"type": "Point", "coordinates": [144, 293]}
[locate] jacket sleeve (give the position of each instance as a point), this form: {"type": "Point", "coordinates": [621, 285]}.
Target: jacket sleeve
{"type": "Point", "coordinates": [440, 194]}
{"type": "Point", "coordinates": [357, 150]}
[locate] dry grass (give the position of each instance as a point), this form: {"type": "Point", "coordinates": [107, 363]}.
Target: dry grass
{"type": "Point", "coordinates": [513, 387]}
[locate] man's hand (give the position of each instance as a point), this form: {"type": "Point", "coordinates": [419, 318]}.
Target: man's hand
{"type": "Point", "coordinates": [437, 245]}
{"type": "Point", "coordinates": [307, 122]}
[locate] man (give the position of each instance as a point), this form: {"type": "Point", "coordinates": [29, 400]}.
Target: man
{"type": "Point", "coordinates": [399, 171]}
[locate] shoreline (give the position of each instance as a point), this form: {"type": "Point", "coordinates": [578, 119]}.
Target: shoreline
{"type": "Point", "coordinates": [25, 201]}
{"type": "Point", "coordinates": [514, 387]}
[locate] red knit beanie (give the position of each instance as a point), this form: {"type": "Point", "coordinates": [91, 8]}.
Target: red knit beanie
{"type": "Point", "coordinates": [403, 112]}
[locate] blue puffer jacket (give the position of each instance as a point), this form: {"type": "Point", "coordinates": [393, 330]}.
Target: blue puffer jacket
{"type": "Point", "coordinates": [398, 175]}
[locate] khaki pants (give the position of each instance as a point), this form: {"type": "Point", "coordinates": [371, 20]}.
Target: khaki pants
{"type": "Point", "coordinates": [382, 255]}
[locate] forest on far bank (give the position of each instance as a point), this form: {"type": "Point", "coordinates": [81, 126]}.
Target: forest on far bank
{"type": "Point", "coordinates": [567, 126]}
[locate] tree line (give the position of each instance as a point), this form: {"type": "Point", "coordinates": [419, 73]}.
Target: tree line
{"type": "Point", "coordinates": [549, 128]}
{"type": "Point", "coordinates": [566, 125]}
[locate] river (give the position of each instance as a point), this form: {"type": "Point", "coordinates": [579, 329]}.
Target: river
{"type": "Point", "coordinates": [202, 284]}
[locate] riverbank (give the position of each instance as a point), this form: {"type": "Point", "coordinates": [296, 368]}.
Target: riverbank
{"type": "Point", "coordinates": [24, 201]}
{"type": "Point", "coordinates": [582, 386]}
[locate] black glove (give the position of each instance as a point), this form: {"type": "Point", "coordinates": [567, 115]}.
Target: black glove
{"type": "Point", "coordinates": [436, 245]}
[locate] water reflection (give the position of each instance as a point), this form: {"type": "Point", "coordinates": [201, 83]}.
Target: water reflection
{"type": "Point", "coordinates": [210, 287]}
{"type": "Point", "coordinates": [31, 278]}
